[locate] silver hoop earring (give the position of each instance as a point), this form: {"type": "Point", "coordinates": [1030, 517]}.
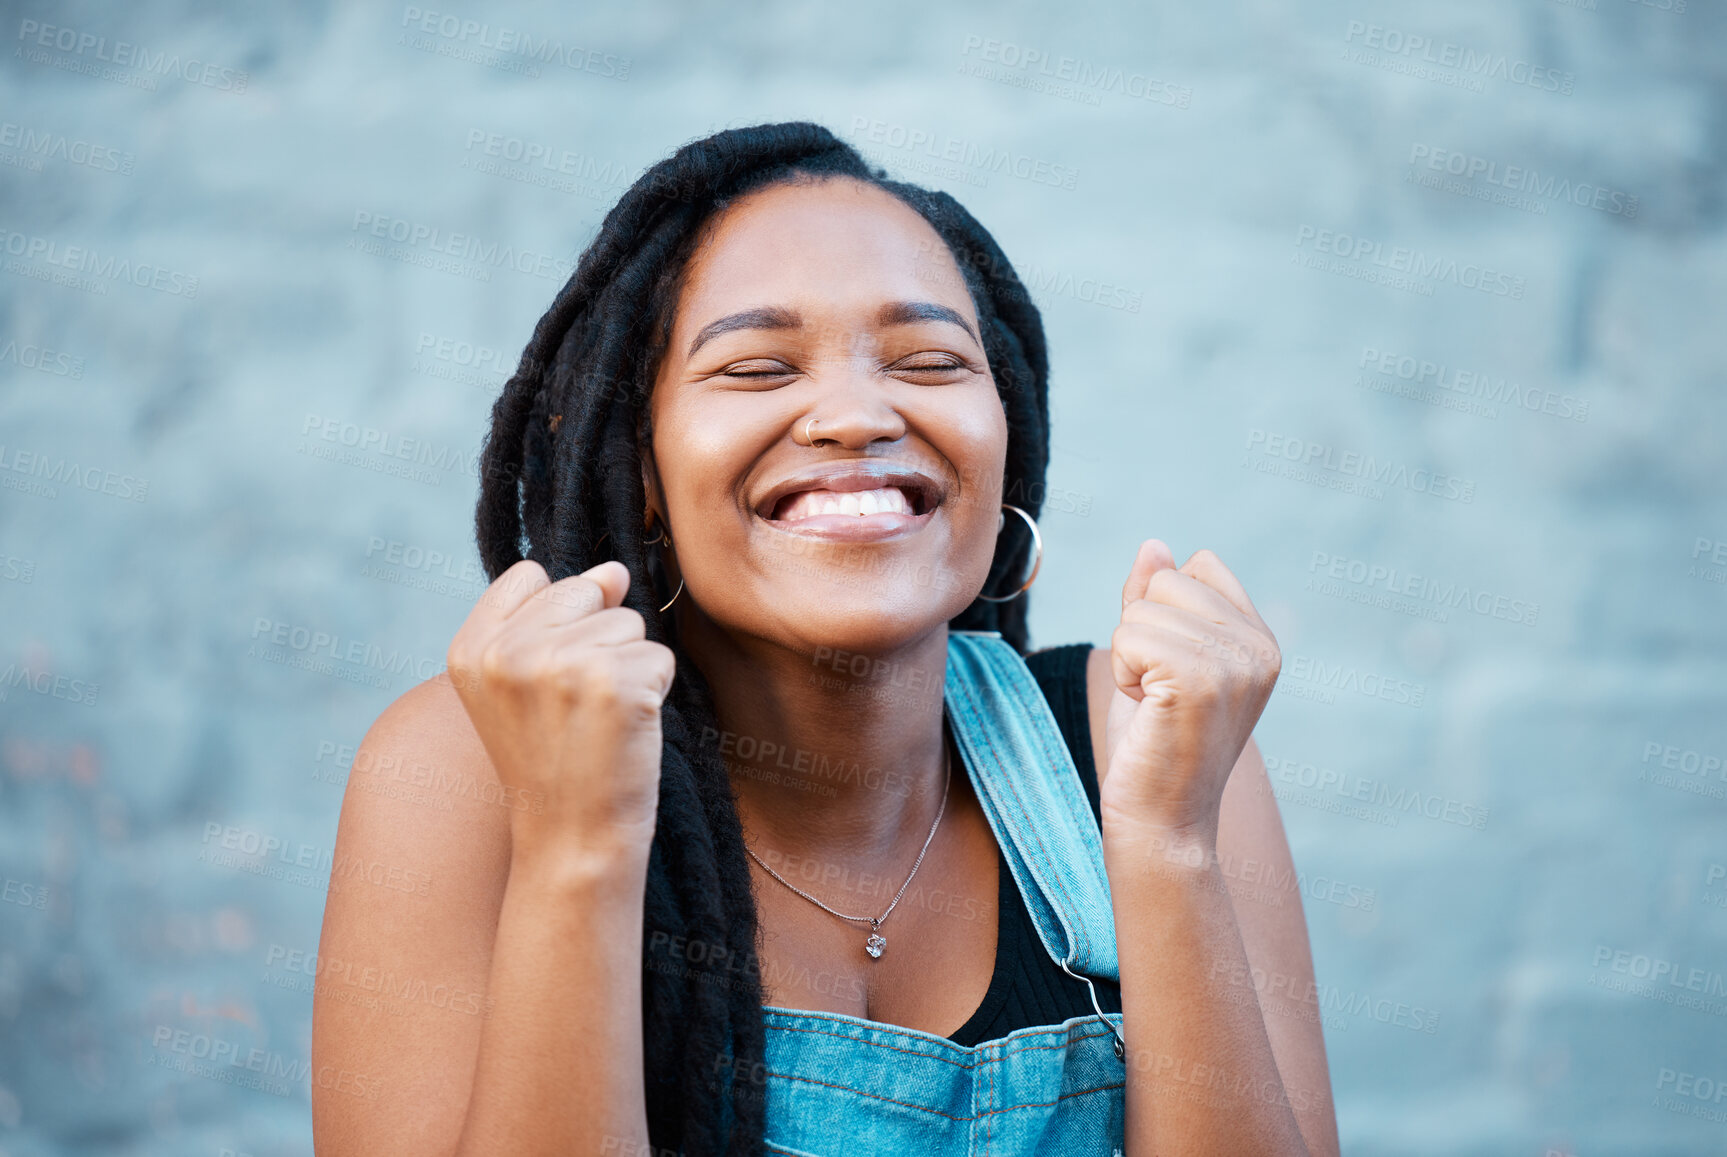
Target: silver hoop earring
{"type": "Point", "coordinates": [675, 594]}
{"type": "Point", "coordinates": [1037, 561]}
{"type": "Point", "coordinates": [662, 536]}
{"type": "Point", "coordinates": [668, 541]}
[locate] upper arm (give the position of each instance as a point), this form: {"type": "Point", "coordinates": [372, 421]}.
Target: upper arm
{"type": "Point", "coordinates": [421, 860]}
{"type": "Point", "coordinates": [1254, 853]}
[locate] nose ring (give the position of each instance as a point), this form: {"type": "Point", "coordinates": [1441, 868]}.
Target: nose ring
{"type": "Point", "coordinates": [808, 437]}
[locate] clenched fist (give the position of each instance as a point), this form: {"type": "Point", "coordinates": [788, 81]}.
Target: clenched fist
{"type": "Point", "coordinates": [1194, 665]}
{"type": "Point", "coordinates": [564, 691]}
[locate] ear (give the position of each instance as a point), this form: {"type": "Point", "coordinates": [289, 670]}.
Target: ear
{"type": "Point", "coordinates": [653, 506]}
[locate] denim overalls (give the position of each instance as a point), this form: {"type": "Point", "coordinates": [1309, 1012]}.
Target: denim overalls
{"type": "Point", "coordinates": [843, 1086]}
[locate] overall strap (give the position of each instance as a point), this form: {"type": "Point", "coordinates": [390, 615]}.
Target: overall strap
{"type": "Point", "coordinates": [1030, 792]}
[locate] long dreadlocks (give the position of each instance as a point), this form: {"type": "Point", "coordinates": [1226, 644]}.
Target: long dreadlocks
{"type": "Point", "coordinates": [560, 474]}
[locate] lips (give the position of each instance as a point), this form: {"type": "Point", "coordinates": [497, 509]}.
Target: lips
{"type": "Point", "coordinates": [860, 494]}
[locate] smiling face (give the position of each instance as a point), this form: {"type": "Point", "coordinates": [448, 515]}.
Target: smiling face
{"type": "Point", "coordinates": [826, 312]}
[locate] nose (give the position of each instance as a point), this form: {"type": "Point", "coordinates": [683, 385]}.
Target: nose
{"type": "Point", "coordinates": [851, 409]}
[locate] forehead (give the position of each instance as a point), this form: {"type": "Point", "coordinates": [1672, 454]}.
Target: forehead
{"type": "Point", "coordinates": [835, 244]}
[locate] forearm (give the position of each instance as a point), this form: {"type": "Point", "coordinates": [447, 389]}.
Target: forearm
{"type": "Point", "coordinates": [560, 1062]}
{"type": "Point", "coordinates": [1201, 1077]}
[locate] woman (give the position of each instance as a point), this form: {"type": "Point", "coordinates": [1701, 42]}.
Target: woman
{"type": "Point", "coordinates": [775, 842]}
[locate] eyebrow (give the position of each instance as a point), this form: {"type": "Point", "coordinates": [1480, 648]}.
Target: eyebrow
{"type": "Point", "coordinates": [767, 317]}
{"type": "Point", "coordinates": [773, 317]}
{"type": "Point", "coordinates": [912, 312]}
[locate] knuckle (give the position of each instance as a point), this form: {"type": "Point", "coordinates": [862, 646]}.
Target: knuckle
{"type": "Point", "coordinates": [628, 688]}
{"type": "Point", "coordinates": [594, 679]}
{"type": "Point", "coordinates": [491, 660]}
{"type": "Point", "coordinates": [634, 624]}
{"type": "Point", "coordinates": [524, 575]}
{"type": "Point", "coordinates": [1166, 695]}
{"type": "Point", "coordinates": [576, 592]}
{"type": "Point", "coordinates": [641, 704]}
{"type": "Point", "coordinates": [505, 662]}
{"type": "Point", "coordinates": [460, 667]}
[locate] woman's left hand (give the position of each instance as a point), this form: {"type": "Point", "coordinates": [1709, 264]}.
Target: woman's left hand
{"type": "Point", "coordinates": [1194, 665]}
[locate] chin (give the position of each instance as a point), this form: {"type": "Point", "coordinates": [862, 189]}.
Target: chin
{"type": "Point", "coordinates": [857, 611]}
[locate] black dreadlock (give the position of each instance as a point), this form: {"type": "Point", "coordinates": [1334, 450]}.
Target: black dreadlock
{"type": "Point", "coordinates": [561, 469]}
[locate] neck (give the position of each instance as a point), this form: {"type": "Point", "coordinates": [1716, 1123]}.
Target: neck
{"type": "Point", "coordinates": [833, 755]}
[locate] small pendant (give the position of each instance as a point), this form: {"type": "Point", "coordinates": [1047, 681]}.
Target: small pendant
{"type": "Point", "coordinates": [875, 944]}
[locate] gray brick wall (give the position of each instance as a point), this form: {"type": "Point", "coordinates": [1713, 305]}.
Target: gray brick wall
{"type": "Point", "coordinates": [1411, 312]}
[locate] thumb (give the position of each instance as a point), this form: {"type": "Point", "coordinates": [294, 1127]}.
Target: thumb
{"type": "Point", "coordinates": [1154, 555]}
{"type": "Point", "coordinates": [613, 579]}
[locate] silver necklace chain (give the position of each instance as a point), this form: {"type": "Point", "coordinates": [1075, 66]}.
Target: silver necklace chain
{"type": "Point", "coordinates": [877, 943]}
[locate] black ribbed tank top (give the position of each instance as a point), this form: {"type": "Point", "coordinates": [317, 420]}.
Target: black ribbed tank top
{"type": "Point", "coordinates": [1028, 988]}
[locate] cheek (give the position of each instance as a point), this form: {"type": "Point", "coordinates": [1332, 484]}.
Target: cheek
{"type": "Point", "coordinates": [976, 446]}
{"type": "Point", "coordinates": [700, 458]}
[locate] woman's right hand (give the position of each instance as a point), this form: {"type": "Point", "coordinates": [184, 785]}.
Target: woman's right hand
{"type": "Point", "coordinates": [564, 690]}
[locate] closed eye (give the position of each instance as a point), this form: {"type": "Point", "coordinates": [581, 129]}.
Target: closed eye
{"type": "Point", "coordinates": [757, 371]}
{"type": "Point", "coordinates": [926, 365]}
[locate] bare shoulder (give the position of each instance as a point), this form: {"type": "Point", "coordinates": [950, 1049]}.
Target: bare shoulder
{"type": "Point", "coordinates": [420, 865]}
{"type": "Point", "coordinates": [1099, 689]}
{"type": "Point", "coordinates": [422, 787]}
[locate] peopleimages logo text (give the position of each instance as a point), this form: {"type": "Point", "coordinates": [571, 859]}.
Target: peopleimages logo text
{"type": "Point", "coordinates": [1402, 259]}
{"type": "Point", "coordinates": [66, 472]}
{"type": "Point", "coordinates": [1474, 384]}
{"type": "Point", "coordinates": [123, 54]}
{"type": "Point", "coordinates": [1439, 592]}
{"type": "Point", "coordinates": [1413, 46]}
{"type": "Point", "coordinates": [106, 266]}
{"type": "Point", "coordinates": [391, 445]}
{"type": "Point", "coordinates": [515, 42]}
{"type": "Point", "coordinates": [940, 146]}
{"type": "Point", "coordinates": [463, 246]}
{"type": "Point", "coordinates": [1355, 464]}
{"type": "Point", "coordinates": [40, 143]}
{"type": "Point", "coordinates": [1083, 74]}
{"type": "Point", "coordinates": [1523, 179]}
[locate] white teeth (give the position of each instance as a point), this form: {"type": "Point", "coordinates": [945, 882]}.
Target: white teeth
{"type": "Point", "coordinates": [813, 503]}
